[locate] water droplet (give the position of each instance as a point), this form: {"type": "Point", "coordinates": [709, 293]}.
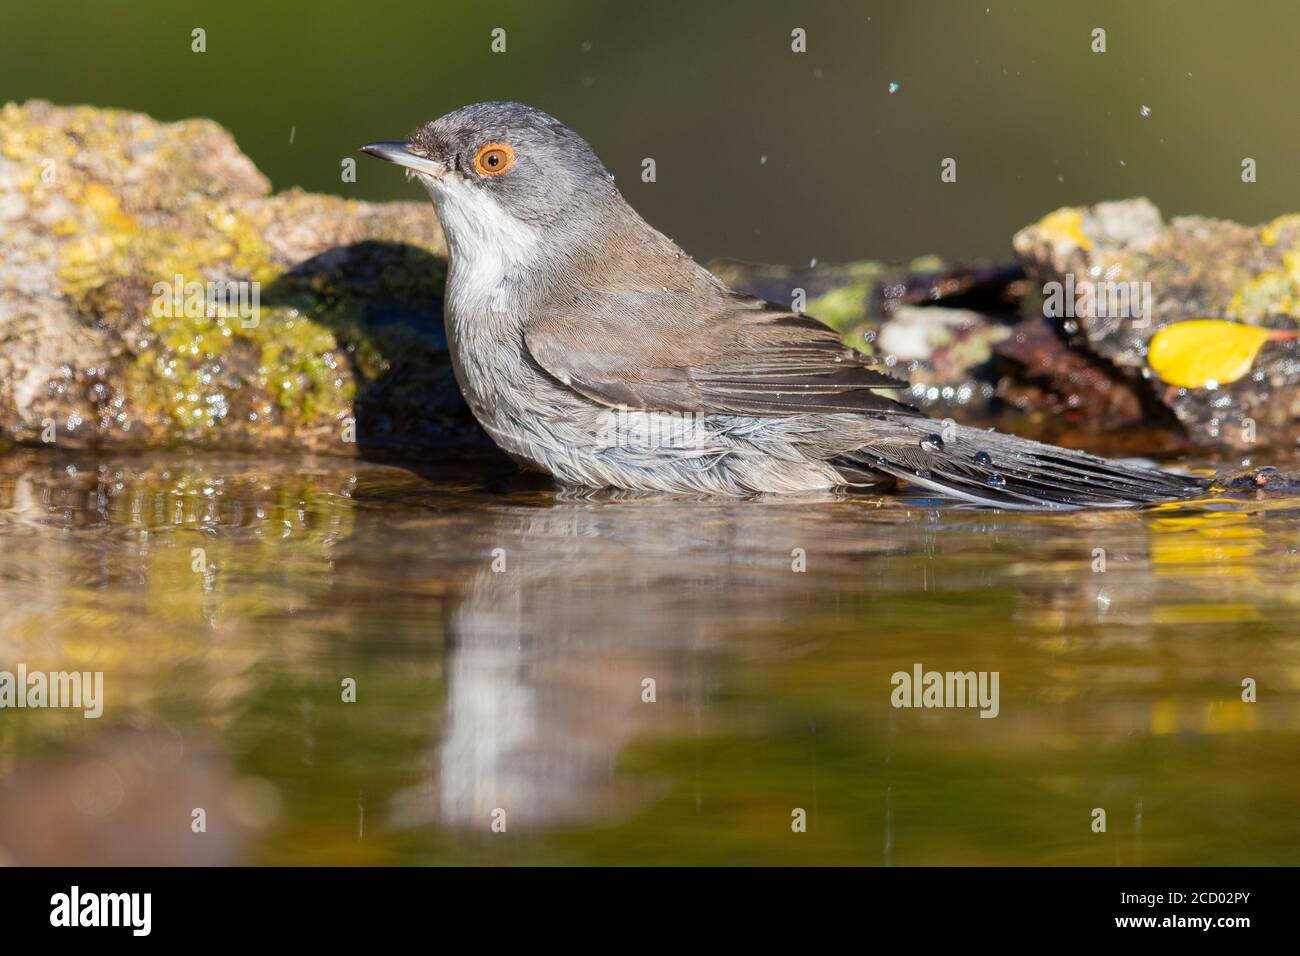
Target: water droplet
{"type": "Point", "coordinates": [996, 480]}
{"type": "Point", "coordinates": [1144, 112]}
{"type": "Point", "coordinates": [983, 458]}
{"type": "Point", "coordinates": [932, 442]}
{"type": "Point", "coordinates": [895, 87]}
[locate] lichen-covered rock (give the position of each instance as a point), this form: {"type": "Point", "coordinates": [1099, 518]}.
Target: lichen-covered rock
{"type": "Point", "coordinates": [153, 291]}
{"type": "Point", "coordinates": [1261, 480]}
{"type": "Point", "coordinates": [1188, 268]}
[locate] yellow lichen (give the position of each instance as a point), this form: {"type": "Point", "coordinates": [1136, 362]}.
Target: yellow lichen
{"type": "Point", "coordinates": [1066, 224]}
{"type": "Point", "coordinates": [1270, 233]}
{"type": "Point", "coordinates": [1272, 292]}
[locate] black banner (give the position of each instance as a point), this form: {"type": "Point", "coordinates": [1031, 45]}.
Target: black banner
{"type": "Point", "coordinates": [331, 905]}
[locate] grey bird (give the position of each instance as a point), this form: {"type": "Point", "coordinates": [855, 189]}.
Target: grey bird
{"type": "Point", "coordinates": [592, 348]}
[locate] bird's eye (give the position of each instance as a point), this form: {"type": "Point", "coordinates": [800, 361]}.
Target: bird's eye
{"type": "Point", "coordinates": [494, 159]}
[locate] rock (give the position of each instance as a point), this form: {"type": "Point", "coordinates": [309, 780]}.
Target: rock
{"type": "Point", "coordinates": [1192, 268]}
{"type": "Point", "coordinates": [122, 234]}
{"type": "Point", "coordinates": [1258, 479]}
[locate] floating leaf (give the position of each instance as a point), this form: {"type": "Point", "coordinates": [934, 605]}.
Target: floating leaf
{"type": "Point", "coordinates": [1204, 351]}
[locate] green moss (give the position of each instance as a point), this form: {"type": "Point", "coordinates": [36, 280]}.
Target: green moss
{"type": "Point", "coordinates": [840, 307]}
{"type": "Point", "coordinates": [844, 308]}
{"type": "Point", "coordinates": [300, 368]}
{"type": "Point", "coordinates": [122, 275]}
{"type": "Point", "coordinates": [1272, 292]}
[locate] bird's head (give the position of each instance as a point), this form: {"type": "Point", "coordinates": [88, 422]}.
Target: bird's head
{"type": "Point", "coordinates": [494, 162]}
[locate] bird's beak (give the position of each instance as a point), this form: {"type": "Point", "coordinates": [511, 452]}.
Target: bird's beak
{"type": "Point", "coordinates": [401, 154]}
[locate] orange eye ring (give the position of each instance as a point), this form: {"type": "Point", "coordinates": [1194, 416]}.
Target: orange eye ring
{"type": "Point", "coordinates": [493, 159]}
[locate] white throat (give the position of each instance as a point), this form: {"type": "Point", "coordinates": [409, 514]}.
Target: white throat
{"type": "Point", "coordinates": [490, 250]}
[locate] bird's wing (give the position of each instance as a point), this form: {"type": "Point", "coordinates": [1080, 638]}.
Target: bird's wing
{"type": "Point", "coordinates": [735, 355]}
{"type": "Point", "coordinates": [743, 356]}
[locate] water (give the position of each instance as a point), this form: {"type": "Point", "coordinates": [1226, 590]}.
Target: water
{"type": "Point", "coordinates": [501, 636]}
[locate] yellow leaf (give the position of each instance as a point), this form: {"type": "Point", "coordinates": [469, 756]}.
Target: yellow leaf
{"type": "Point", "coordinates": [1193, 354]}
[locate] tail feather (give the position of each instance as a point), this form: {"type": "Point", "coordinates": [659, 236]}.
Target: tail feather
{"type": "Point", "coordinates": [1003, 471]}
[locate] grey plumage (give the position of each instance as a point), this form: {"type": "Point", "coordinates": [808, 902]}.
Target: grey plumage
{"type": "Point", "coordinates": [591, 347]}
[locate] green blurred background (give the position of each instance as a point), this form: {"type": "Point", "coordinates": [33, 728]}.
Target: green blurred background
{"type": "Point", "coordinates": [1010, 89]}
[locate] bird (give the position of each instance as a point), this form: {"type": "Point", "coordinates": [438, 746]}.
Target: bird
{"type": "Point", "coordinates": [592, 348]}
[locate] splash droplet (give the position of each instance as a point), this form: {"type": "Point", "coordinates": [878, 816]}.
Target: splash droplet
{"type": "Point", "coordinates": [895, 87]}
{"type": "Point", "coordinates": [1144, 112]}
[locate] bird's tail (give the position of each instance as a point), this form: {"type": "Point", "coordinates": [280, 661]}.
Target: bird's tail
{"type": "Point", "coordinates": [1003, 471]}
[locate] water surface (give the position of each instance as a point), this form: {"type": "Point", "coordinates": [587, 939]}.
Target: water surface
{"type": "Point", "coordinates": [501, 636]}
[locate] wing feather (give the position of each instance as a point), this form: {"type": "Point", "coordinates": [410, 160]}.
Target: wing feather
{"type": "Point", "coordinates": [738, 356]}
